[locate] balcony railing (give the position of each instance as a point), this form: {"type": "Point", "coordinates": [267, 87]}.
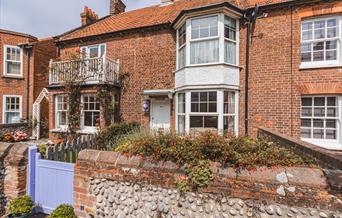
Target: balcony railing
{"type": "Point", "coordinates": [86, 70]}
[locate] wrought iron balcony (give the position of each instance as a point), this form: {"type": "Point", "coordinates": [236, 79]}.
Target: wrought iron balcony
{"type": "Point", "coordinates": [85, 70]}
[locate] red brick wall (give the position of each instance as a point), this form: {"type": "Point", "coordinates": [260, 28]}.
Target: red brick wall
{"type": "Point", "coordinates": [148, 59]}
{"type": "Point", "coordinates": [40, 55]}
{"type": "Point", "coordinates": [276, 82]}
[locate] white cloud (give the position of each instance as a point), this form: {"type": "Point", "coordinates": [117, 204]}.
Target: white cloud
{"type": "Point", "coordinates": [44, 18]}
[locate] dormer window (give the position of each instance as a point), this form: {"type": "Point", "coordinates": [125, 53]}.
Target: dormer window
{"type": "Point", "coordinates": [208, 40]}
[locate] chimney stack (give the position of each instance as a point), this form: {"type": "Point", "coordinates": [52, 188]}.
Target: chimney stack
{"type": "Point", "coordinates": [88, 16]}
{"type": "Point", "coordinates": [116, 7]}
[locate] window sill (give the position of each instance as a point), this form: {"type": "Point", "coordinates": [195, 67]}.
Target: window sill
{"type": "Point", "coordinates": [207, 65]}
{"type": "Point", "coordinates": [318, 66]}
{"type": "Point", "coordinates": [12, 77]}
{"type": "Point", "coordinates": [82, 131]}
{"type": "Point", "coordinates": [327, 144]}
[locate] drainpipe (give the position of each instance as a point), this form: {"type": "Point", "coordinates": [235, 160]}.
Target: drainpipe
{"type": "Point", "coordinates": [27, 48]}
{"type": "Point", "coordinates": [250, 21]}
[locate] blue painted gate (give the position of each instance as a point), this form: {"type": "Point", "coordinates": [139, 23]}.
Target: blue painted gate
{"type": "Point", "coordinates": [50, 183]}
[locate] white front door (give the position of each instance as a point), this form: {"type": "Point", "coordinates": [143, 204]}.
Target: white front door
{"type": "Point", "coordinates": [160, 115]}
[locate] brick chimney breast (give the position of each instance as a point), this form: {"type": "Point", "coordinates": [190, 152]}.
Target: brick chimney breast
{"type": "Point", "coordinates": [116, 7]}
{"type": "Point", "coordinates": [88, 16]}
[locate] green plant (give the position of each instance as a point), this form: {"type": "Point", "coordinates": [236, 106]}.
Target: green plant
{"type": "Point", "coordinates": [42, 149]}
{"type": "Point", "coordinates": [199, 174]}
{"type": "Point", "coordinates": [63, 211]}
{"type": "Point", "coordinates": [21, 206]}
{"type": "Point", "coordinates": [195, 151]}
{"type": "Point", "coordinates": [108, 138]}
{"type": "Point", "coordinates": [182, 184]}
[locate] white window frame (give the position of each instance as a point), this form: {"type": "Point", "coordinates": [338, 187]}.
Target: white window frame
{"type": "Point", "coordinates": [5, 62]}
{"type": "Point", "coordinates": [57, 124]}
{"type": "Point", "coordinates": [88, 47]}
{"type": "Point", "coordinates": [220, 37]}
{"type": "Point", "coordinates": [326, 143]}
{"type": "Point", "coordinates": [84, 128]}
{"type": "Point", "coordinates": [4, 110]}
{"type": "Point", "coordinates": [329, 63]}
{"type": "Point", "coordinates": [219, 113]}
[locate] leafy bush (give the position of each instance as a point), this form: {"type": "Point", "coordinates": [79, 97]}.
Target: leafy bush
{"type": "Point", "coordinates": [196, 150]}
{"type": "Point", "coordinates": [42, 149]}
{"type": "Point", "coordinates": [108, 138]}
{"type": "Point", "coordinates": [21, 206]}
{"type": "Point", "coordinates": [63, 211]}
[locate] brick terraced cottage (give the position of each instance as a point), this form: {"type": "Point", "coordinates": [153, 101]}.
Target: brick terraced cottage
{"type": "Point", "coordinates": [24, 63]}
{"type": "Point", "coordinates": [185, 64]}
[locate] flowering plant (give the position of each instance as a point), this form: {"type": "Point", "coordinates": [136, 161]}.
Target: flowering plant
{"type": "Point", "coordinates": [20, 136]}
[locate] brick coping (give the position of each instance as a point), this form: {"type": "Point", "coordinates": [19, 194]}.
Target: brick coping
{"type": "Point", "coordinates": [314, 177]}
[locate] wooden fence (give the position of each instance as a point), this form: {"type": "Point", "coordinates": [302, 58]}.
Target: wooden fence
{"type": "Point", "coordinates": [68, 151]}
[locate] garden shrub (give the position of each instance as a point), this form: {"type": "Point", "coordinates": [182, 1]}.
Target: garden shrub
{"type": "Point", "coordinates": [63, 211]}
{"type": "Point", "coordinates": [195, 151]}
{"type": "Point", "coordinates": [42, 150]}
{"type": "Point", "coordinates": [21, 206]}
{"type": "Point", "coordinates": [108, 138]}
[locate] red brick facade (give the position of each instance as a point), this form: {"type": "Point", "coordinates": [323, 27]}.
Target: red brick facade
{"type": "Point", "coordinates": [276, 82]}
{"type": "Point", "coordinates": [40, 54]}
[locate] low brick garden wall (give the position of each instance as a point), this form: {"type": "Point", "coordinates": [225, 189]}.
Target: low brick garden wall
{"type": "Point", "coordinates": [13, 172]}
{"type": "Point", "coordinates": [108, 183]}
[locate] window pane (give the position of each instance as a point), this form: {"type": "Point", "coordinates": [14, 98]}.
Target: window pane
{"type": "Point", "coordinates": [306, 112]}
{"type": "Point", "coordinates": [331, 134]}
{"type": "Point", "coordinates": [318, 134]}
{"type": "Point", "coordinates": [306, 123]}
{"type": "Point", "coordinates": [212, 107]}
{"type": "Point", "coordinates": [94, 52]}
{"type": "Point", "coordinates": [212, 96]}
{"type": "Point", "coordinates": [230, 52]}
{"type": "Point", "coordinates": [196, 121]}
{"type": "Point", "coordinates": [306, 133]}
{"type": "Point", "coordinates": [307, 35]}
{"type": "Point", "coordinates": [181, 103]}
{"type": "Point", "coordinates": [13, 68]}
{"type": "Point", "coordinates": [331, 55]}
{"type": "Point", "coordinates": [318, 123]}
{"type": "Point", "coordinates": [204, 96]}
{"type": "Point", "coordinates": [181, 124]}
{"type": "Point", "coordinates": [228, 124]}
{"type": "Point", "coordinates": [204, 52]}
{"type": "Point", "coordinates": [194, 107]}
{"type": "Point", "coordinates": [331, 22]}
{"type": "Point", "coordinates": [12, 117]}
{"type": "Point", "coordinates": [319, 112]}
{"type": "Point", "coordinates": [319, 101]}
{"type": "Point", "coordinates": [182, 35]}
{"type": "Point", "coordinates": [331, 32]}
{"type": "Point", "coordinates": [306, 57]}
{"type": "Point", "coordinates": [210, 122]}
{"type": "Point", "coordinates": [331, 123]}
{"type": "Point", "coordinates": [203, 107]}
{"type": "Point", "coordinates": [307, 26]}
{"type": "Point", "coordinates": [182, 57]}
{"type": "Point", "coordinates": [306, 101]}
{"type": "Point", "coordinates": [332, 112]}
{"type": "Point", "coordinates": [319, 33]}
{"type": "Point", "coordinates": [230, 28]}
{"type": "Point", "coordinates": [88, 116]}
{"type": "Point", "coordinates": [194, 96]}
{"type": "Point", "coordinates": [204, 27]}
{"type": "Point", "coordinates": [332, 101]}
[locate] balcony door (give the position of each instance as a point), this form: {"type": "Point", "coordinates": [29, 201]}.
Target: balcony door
{"type": "Point", "coordinates": [94, 61]}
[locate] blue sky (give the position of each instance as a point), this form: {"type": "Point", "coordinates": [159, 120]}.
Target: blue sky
{"type": "Point", "coordinates": [43, 18]}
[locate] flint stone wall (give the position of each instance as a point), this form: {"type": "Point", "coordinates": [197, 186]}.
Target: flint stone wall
{"type": "Point", "coordinates": [109, 184]}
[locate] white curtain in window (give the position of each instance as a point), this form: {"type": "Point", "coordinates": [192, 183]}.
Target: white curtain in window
{"type": "Point", "coordinates": [230, 52]}
{"type": "Point", "coordinates": [204, 52]}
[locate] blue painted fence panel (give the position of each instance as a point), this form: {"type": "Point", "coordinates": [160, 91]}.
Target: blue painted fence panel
{"type": "Point", "coordinates": [52, 183]}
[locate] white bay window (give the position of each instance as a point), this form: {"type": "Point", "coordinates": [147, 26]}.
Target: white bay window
{"type": "Point", "coordinates": [207, 110]}
{"type": "Point", "coordinates": [211, 39]}
{"type": "Point", "coordinates": [321, 42]}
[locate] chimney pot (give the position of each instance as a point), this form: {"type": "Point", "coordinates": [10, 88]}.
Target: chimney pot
{"type": "Point", "coordinates": [88, 16]}
{"type": "Point", "coordinates": [116, 7]}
